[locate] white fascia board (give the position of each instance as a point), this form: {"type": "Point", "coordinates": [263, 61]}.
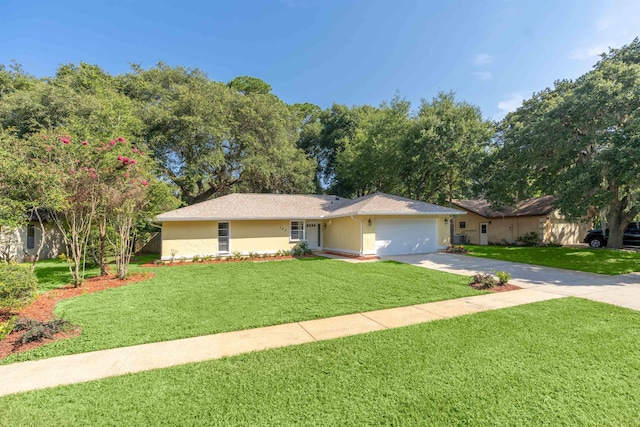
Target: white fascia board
{"type": "Point", "coordinates": [286, 218]}
{"type": "Point", "coordinates": [362, 213]}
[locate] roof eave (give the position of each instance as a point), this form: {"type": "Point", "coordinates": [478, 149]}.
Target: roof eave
{"type": "Point", "coordinates": [393, 213]}
{"type": "Point", "coordinates": [194, 219]}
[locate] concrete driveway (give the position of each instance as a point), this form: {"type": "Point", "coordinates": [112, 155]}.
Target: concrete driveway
{"type": "Point", "coordinates": [622, 290]}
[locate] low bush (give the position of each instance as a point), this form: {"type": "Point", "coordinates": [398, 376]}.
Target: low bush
{"type": "Point", "coordinates": [6, 327]}
{"type": "Point", "coordinates": [18, 286]}
{"type": "Point", "coordinates": [38, 331]}
{"type": "Point", "coordinates": [529, 239]}
{"type": "Point", "coordinates": [456, 249]}
{"type": "Point", "coordinates": [301, 248]}
{"type": "Point", "coordinates": [503, 277]}
{"type": "Point", "coordinates": [486, 280]}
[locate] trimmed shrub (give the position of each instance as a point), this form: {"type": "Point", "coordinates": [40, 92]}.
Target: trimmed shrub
{"type": "Point", "coordinates": [38, 331]}
{"type": "Point", "coordinates": [503, 277]}
{"type": "Point", "coordinates": [18, 286]}
{"type": "Point", "coordinates": [529, 239]}
{"type": "Point", "coordinates": [301, 248]}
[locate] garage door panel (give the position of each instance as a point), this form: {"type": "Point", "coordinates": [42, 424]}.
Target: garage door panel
{"type": "Point", "coordinates": [406, 236]}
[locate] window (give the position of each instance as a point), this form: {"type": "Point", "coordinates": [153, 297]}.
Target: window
{"type": "Point", "coordinates": [297, 231]}
{"type": "Point", "coordinates": [31, 237]}
{"type": "Point", "coordinates": [223, 237]}
{"type": "Point", "coordinates": [463, 224]}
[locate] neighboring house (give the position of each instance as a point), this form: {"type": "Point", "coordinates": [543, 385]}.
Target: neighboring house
{"type": "Point", "coordinates": [377, 224]}
{"type": "Point", "coordinates": [19, 244]}
{"type": "Point", "coordinates": [482, 225]}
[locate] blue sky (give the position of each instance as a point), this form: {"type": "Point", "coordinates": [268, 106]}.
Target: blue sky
{"type": "Point", "coordinates": [492, 53]}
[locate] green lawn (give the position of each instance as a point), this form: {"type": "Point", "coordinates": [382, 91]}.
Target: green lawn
{"type": "Point", "coordinates": [603, 261]}
{"type": "Point", "coordinates": [210, 298]}
{"type": "Point", "coordinates": [559, 362]}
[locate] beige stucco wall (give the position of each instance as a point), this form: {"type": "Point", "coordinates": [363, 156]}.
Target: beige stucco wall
{"type": "Point", "coordinates": [260, 236]}
{"type": "Point", "coordinates": [343, 234]}
{"type": "Point", "coordinates": [189, 238]}
{"type": "Point", "coordinates": [471, 231]}
{"type": "Point", "coordinates": [558, 230]}
{"type": "Point", "coordinates": [14, 242]}
{"type": "Point", "coordinates": [554, 229]}
{"type": "Point", "coordinates": [201, 237]}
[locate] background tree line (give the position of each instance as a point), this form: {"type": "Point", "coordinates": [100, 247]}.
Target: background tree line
{"type": "Point", "coordinates": [577, 140]}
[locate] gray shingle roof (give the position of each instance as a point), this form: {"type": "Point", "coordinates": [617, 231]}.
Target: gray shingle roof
{"type": "Point", "coordinates": [388, 204]}
{"type": "Point", "coordinates": [243, 206]}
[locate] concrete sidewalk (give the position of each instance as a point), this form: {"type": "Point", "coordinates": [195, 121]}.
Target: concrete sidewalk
{"type": "Point", "coordinates": [39, 374]}
{"type": "Point", "coordinates": [622, 290]}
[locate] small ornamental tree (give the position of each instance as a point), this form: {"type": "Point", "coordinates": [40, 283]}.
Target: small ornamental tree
{"type": "Point", "coordinates": [105, 186]}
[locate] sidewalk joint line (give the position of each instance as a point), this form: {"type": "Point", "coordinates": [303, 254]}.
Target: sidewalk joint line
{"type": "Point", "coordinates": [308, 333]}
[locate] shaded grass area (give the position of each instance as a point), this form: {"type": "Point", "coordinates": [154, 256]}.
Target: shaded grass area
{"type": "Point", "coordinates": [53, 274]}
{"type": "Point", "coordinates": [204, 299]}
{"type": "Point", "coordinates": [602, 261]}
{"type": "Point", "coordinates": [559, 362]}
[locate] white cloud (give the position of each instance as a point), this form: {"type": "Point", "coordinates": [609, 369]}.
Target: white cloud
{"type": "Point", "coordinates": [483, 59]}
{"type": "Point", "coordinates": [511, 104]}
{"type": "Point", "coordinates": [588, 53]}
{"type": "Point", "coordinates": [483, 75]}
{"type": "Point", "coordinates": [616, 26]}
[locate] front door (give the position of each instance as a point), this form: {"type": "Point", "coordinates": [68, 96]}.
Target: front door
{"type": "Point", "coordinates": [312, 232]}
{"type": "Point", "coordinates": [484, 234]}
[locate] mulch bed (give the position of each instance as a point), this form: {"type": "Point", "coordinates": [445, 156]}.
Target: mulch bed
{"type": "Point", "coordinates": [498, 288]}
{"type": "Point", "coordinates": [215, 261]}
{"type": "Point", "coordinates": [42, 310]}
{"type": "Point", "coordinates": [352, 256]}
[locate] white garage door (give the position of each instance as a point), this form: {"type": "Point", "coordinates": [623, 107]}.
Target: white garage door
{"type": "Point", "coordinates": [406, 236]}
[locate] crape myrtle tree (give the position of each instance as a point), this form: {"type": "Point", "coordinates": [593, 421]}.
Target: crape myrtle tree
{"type": "Point", "coordinates": [579, 140]}
{"type": "Point", "coordinates": [110, 182]}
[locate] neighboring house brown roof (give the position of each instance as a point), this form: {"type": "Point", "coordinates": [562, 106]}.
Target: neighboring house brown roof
{"type": "Point", "coordinates": [531, 207]}
{"type": "Point", "coordinates": [246, 206]}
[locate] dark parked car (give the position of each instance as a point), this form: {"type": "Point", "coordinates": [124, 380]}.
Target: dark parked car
{"type": "Point", "coordinates": [596, 239]}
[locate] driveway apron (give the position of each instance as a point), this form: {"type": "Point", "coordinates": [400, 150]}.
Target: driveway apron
{"type": "Point", "coordinates": [622, 290]}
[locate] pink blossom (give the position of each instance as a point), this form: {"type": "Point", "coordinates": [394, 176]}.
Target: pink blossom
{"type": "Point", "coordinates": [120, 158]}
{"type": "Point", "coordinates": [144, 183]}
{"type": "Point", "coordinates": [133, 161]}
{"type": "Point", "coordinates": [73, 172]}
{"type": "Point", "coordinates": [92, 169]}
{"type": "Point", "coordinates": [135, 150]}
{"type": "Point", "coordinates": [126, 175]}
{"type": "Point", "coordinates": [125, 161]}
{"type": "Point", "coordinates": [64, 140]}
{"type": "Point", "coordinates": [121, 139]}
{"type": "Point", "coordinates": [112, 142]}
{"type": "Point", "coordinates": [84, 142]}
{"type": "Point", "coordinates": [48, 148]}
{"type": "Point", "coordinates": [103, 144]}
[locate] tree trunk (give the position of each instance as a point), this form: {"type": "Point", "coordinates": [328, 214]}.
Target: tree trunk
{"type": "Point", "coordinates": [41, 245]}
{"type": "Point", "coordinates": [618, 219]}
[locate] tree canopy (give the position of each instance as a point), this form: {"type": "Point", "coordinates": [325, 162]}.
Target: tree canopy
{"type": "Point", "coordinates": [579, 140]}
